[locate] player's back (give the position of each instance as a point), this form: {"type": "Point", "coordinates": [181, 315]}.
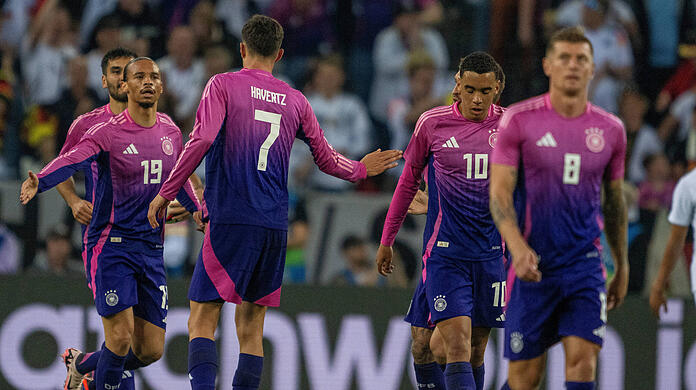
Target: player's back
{"type": "Point", "coordinates": [247, 164]}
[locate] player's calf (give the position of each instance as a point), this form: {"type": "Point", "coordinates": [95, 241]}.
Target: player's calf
{"type": "Point", "coordinates": [420, 345]}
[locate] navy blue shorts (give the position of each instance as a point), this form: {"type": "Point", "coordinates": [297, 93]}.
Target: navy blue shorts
{"type": "Point", "coordinates": [540, 314]}
{"type": "Point", "coordinates": [455, 287]}
{"type": "Point", "coordinates": [125, 274]}
{"type": "Point", "coordinates": [240, 263]}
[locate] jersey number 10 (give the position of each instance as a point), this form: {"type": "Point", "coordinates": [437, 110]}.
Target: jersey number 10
{"type": "Point", "coordinates": [480, 165]}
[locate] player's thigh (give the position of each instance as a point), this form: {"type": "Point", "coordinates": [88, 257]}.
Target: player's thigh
{"type": "Point", "coordinates": [580, 359]}
{"type": "Point", "coordinates": [526, 374]}
{"type": "Point", "coordinates": [204, 318]}
{"type": "Point", "coordinates": [489, 287]}
{"type": "Point", "coordinates": [456, 334]}
{"type": "Point", "coordinates": [448, 288]}
{"type": "Point", "coordinates": [118, 330]}
{"type": "Point", "coordinates": [249, 318]}
{"type": "Point", "coordinates": [148, 340]}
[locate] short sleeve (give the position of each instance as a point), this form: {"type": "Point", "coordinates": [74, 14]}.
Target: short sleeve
{"type": "Point", "coordinates": [682, 204]}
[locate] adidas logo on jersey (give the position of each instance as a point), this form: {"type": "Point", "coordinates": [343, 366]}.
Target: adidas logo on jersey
{"type": "Point", "coordinates": [130, 150]}
{"type": "Point", "coordinates": [451, 143]}
{"type": "Point", "coordinates": [547, 140]}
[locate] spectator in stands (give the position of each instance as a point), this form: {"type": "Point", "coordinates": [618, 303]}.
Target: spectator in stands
{"type": "Point", "coordinates": [341, 115]}
{"type": "Point", "coordinates": [391, 52]}
{"type": "Point", "coordinates": [57, 257]}
{"type": "Point", "coordinates": [234, 13]}
{"type": "Point", "coordinates": [9, 249]}
{"type": "Point", "coordinates": [46, 51]}
{"type": "Point", "coordinates": [570, 13]}
{"type": "Point", "coordinates": [613, 57]}
{"type": "Point", "coordinates": [674, 128]}
{"type": "Point", "coordinates": [107, 36]}
{"type": "Point", "coordinates": [642, 139]}
{"type": "Point", "coordinates": [683, 79]}
{"type": "Point", "coordinates": [358, 269]}
{"type": "Point", "coordinates": [298, 234]}
{"type": "Point", "coordinates": [38, 134]}
{"type": "Point", "coordinates": [208, 30]}
{"type": "Point", "coordinates": [183, 74]}
{"type": "Point", "coordinates": [6, 97]}
{"type": "Point", "coordinates": [655, 192]}
{"type": "Point", "coordinates": [76, 99]}
{"type": "Point", "coordinates": [141, 27]}
{"type": "Point", "coordinates": [308, 33]}
{"type": "Point", "coordinates": [217, 59]}
{"type": "Point", "coordinates": [404, 111]}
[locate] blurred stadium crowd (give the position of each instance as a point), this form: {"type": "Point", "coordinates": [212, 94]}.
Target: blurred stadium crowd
{"type": "Point", "coordinates": [368, 67]}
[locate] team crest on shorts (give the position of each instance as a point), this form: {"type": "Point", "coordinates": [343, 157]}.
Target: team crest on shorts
{"type": "Point", "coordinates": [440, 303]}
{"type": "Point", "coordinates": [493, 137]}
{"type": "Point", "coordinates": [111, 298]}
{"type": "Point", "coordinates": [516, 342]}
{"type": "Point", "coordinates": [595, 139]}
{"type": "Point", "coordinates": [167, 146]}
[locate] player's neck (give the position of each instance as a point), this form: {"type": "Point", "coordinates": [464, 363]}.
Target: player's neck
{"type": "Point", "coordinates": [253, 62]}
{"type": "Point", "coordinates": [116, 107]}
{"type": "Point", "coordinates": [146, 117]}
{"type": "Point", "coordinates": [568, 106]}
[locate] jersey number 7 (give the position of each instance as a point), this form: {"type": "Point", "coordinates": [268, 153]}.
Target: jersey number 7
{"type": "Point", "coordinates": [274, 120]}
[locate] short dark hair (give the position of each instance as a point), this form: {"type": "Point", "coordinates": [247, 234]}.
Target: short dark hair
{"type": "Point", "coordinates": [262, 35]}
{"type": "Point", "coordinates": [479, 62]}
{"type": "Point", "coordinates": [125, 68]}
{"type": "Point", "coordinates": [351, 242]}
{"type": "Point", "coordinates": [569, 34]}
{"type": "Point", "coordinates": [118, 52]}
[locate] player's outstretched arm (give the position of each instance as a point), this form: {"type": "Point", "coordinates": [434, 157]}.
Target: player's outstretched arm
{"type": "Point", "coordinates": [524, 258]}
{"type": "Point", "coordinates": [676, 241]}
{"type": "Point", "coordinates": [81, 209]}
{"type": "Point", "coordinates": [379, 161]}
{"type": "Point", "coordinates": [616, 229]}
{"type": "Point", "coordinates": [29, 188]}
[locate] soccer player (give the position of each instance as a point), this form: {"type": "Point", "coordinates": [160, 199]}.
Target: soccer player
{"type": "Point", "coordinates": [681, 215]}
{"type": "Point", "coordinates": [245, 126]}
{"type": "Point", "coordinates": [463, 275]}
{"type": "Point", "coordinates": [133, 152]}
{"type": "Point", "coordinates": [569, 149]}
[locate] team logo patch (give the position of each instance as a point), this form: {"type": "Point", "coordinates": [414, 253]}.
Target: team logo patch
{"type": "Point", "coordinates": [111, 298]}
{"type": "Point", "coordinates": [595, 139]}
{"type": "Point", "coordinates": [516, 342]}
{"type": "Point", "coordinates": [440, 303]}
{"type": "Point", "coordinates": [493, 137]}
{"type": "Point", "coordinates": [167, 146]}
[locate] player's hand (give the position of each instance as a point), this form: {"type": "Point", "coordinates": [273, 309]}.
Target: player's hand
{"type": "Point", "coordinates": [658, 298]}
{"type": "Point", "coordinates": [419, 205]}
{"type": "Point", "coordinates": [158, 207]}
{"type": "Point", "coordinates": [379, 161]}
{"type": "Point", "coordinates": [616, 292]}
{"type": "Point", "coordinates": [176, 212]}
{"type": "Point", "coordinates": [526, 263]}
{"type": "Point", "coordinates": [29, 188]}
{"type": "Point", "coordinates": [82, 211]}
{"type": "Point", "coordinates": [198, 218]}
{"type": "Point", "coordinates": [384, 260]}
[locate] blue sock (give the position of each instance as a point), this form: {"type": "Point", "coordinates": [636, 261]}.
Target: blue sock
{"type": "Point", "coordinates": [109, 369]}
{"type": "Point", "coordinates": [248, 374]}
{"type": "Point", "coordinates": [127, 379]}
{"type": "Point", "coordinates": [132, 361]}
{"type": "Point", "coordinates": [505, 387]}
{"type": "Point", "coordinates": [202, 363]}
{"type": "Point", "coordinates": [479, 374]}
{"type": "Point", "coordinates": [579, 385]}
{"type": "Point", "coordinates": [429, 376]}
{"type": "Point", "coordinates": [459, 376]}
{"type": "Point", "coordinates": [442, 367]}
{"type": "Point", "coordinates": [87, 362]}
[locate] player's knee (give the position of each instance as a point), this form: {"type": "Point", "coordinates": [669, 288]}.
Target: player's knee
{"type": "Point", "coordinates": [150, 356]}
{"type": "Point", "coordinates": [581, 367]}
{"type": "Point", "coordinates": [529, 380]}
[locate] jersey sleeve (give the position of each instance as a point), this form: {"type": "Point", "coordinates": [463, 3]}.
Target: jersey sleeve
{"type": "Point", "coordinates": [507, 148]}
{"type": "Point", "coordinates": [616, 167]}
{"type": "Point", "coordinates": [682, 212]}
{"type": "Point", "coordinates": [325, 156]}
{"type": "Point", "coordinates": [187, 197]}
{"type": "Point", "coordinates": [209, 119]}
{"type": "Point", "coordinates": [65, 165]}
{"type": "Point", "coordinates": [416, 157]}
{"type": "Point", "coordinates": [75, 133]}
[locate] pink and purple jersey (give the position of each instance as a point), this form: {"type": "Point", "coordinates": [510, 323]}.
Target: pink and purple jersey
{"type": "Point", "coordinates": [245, 126]}
{"type": "Point", "coordinates": [563, 161]}
{"type": "Point", "coordinates": [77, 129]}
{"type": "Point", "coordinates": [455, 151]}
{"type": "Point", "coordinates": [132, 161]}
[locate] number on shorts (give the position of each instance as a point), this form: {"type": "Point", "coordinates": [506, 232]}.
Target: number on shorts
{"type": "Point", "coordinates": [165, 297]}
{"type": "Point", "coordinates": [499, 293]}
{"type": "Point", "coordinates": [274, 120]}
{"type": "Point", "coordinates": [603, 310]}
